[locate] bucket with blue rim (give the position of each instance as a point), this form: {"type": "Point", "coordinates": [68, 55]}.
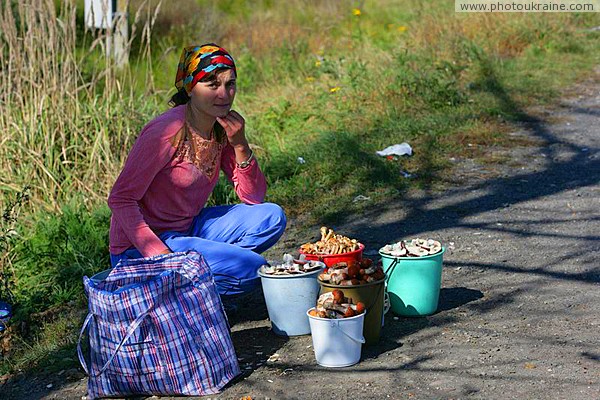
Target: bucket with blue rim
{"type": "Point", "coordinates": [413, 283]}
{"type": "Point", "coordinates": [288, 298]}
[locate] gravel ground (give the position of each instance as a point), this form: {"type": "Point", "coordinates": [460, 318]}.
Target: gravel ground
{"type": "Point", "coordinates": [519, 310]}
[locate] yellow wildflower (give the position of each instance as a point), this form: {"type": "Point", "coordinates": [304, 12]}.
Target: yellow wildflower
{"type": "Point", "coordinates": [317, 63]}
{"type": "Point", "coordinates": [356, 12]}
{"type": "Point", "coordinates": [334, 89]}
{"type": "Point", "coordinates": [310, 78]}
{"type": "Point", "coordinates": [402, 28]}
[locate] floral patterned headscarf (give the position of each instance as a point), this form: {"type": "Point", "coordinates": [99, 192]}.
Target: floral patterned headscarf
{"type": "Point", "coordinates": [198, 61]}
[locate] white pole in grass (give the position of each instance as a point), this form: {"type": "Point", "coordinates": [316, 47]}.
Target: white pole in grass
{"type": "Point", "coordinates": [111, 15]}
{"type": "Point", "coordinates": [121, 33]}
{"type": "Point", "coordinates": [98, 14]}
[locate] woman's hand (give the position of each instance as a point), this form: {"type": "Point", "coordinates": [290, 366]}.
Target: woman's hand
{"type": "Point", "coordinates": [234, 124]}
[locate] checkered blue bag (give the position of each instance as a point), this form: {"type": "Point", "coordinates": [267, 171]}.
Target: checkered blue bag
{"type": "Point", "coordinates": [157, 327]}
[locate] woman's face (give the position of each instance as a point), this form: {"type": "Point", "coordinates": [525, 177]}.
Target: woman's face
{"type": "Point", "coordinates": [214, 98]}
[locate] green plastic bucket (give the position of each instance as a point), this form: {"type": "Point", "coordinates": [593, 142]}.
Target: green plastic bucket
{"type": "Point", "coordinates": [371, 295]}
{"type": "Point", "coordinates": [414, 283]}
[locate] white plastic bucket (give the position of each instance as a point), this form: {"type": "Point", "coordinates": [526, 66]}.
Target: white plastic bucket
{"type": "Point", "coordinates": [337, 342]}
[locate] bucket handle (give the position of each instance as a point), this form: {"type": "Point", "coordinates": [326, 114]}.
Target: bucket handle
{"type": "Point", "coordinates": [388, 272]}
{"type": "Point", "coordinates": [387, 304]}
{"type": "Point", "coordinates": [386, 300]}
{"type": "Point", "coordinates": [370, 306]}
{"type": "Point", "coordinates": [336, 323]}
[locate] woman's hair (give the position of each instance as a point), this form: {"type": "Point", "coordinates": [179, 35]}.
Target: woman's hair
{"type": "Point", "coordinates": [179, 98]}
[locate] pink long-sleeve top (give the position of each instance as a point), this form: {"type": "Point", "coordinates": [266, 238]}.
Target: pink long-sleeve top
{"type": "Point", "coordinates": [161, 189]}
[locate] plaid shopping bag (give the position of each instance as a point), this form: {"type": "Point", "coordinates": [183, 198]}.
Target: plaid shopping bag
{"type": "Point", "coordinates": [157, 327]}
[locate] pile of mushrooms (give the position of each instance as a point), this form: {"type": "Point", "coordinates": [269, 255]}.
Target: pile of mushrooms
{"type": "Point", "coordinates": [291, 266]}
{"type": "Point", "coordinates": [330, 243]}
{"type": "Point", "coordinates": [352, 273]}
{"type": "Point", "coordinates": [334, 305]}
{"type": "Point", "coordinates": [412, 248]}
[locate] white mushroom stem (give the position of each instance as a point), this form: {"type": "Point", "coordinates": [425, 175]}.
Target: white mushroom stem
{"type": "Point", "coordinates": [336, 278]}
{"type": "Point", "coordinates": [329, 234]}
{"type": "Point", "coordinates": [323, 233]}
{"type": "Point", "coordinates": [324, 277]}
{"type": "Point", "coordinates": [370, 270]}
{"type": "Point", "coordinates": [324, 298]}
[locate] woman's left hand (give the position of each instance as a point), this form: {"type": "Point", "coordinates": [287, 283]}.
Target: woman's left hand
{"type": "Point", "coordinates": [234, 124]}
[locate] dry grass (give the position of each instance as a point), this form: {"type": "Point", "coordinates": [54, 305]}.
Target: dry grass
{"type": "Point", "coordinates": [301, 21]}
{"type": "Point", "coordinates": [55, 132]}
{"type": "Point", "coordinates": [506, 35]}
{"type": "Point", "coordinates": [69, 116]}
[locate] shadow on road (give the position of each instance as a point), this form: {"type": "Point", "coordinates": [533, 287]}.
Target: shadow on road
{"type": "Point", "coordinates": [457, 296]}
{"type": "Point", "coordinates": [254, 347]}
{"type": "Point", "coordinates": [568, 166]}
{"type": "Point", "coordinates": [397, 327]}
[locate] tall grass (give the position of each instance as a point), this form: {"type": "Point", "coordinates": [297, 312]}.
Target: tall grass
{"type": "Point", "coordinates": [69, 116]}
{"type": "Point", "coordinates": [315, 81]}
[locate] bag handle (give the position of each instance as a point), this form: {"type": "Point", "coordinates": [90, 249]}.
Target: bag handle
{"type": "Point", "coordinates": [182, 263]}
{"type": "Point", "coordinates": [360, 340]}
{"type": "Point", "coordinates": [79, 351]}
{"type": "Point", "coordinates": [134, 325]}
{"type": "Point", "coordinates": [148, 271]}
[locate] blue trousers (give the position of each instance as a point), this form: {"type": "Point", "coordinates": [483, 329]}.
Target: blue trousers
{"type": "Point", "coordinates": [231, 239]}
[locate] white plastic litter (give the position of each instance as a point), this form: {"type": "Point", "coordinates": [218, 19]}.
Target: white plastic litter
{"type": "Point", "coordinates": [402, 149]}
{"type": "Point", "coordinates": [360, 197]}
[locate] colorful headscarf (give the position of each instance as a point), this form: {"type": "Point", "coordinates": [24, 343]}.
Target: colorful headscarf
{"type": "Point", "coordinates": [198, 61]}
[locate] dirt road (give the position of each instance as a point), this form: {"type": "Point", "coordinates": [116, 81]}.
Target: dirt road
{"type": "Point", "coordinates": [519, 313]}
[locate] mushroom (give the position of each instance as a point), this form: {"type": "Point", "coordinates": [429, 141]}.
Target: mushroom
{"type": "Point", "coordinates": [335, 305]}
{"type": "Point", "coordinates": [353, 270]}
{"type": "Point", "coordinates": [323, 233]}
{"type": "Point", "coordinates": [338, 296]}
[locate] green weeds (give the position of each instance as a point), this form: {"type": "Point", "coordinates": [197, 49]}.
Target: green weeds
{"type": "Point", "coordinates": [321, 89]}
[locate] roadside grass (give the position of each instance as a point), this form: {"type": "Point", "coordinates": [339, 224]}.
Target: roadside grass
{"type": "Point", "coordinates": [51, 263]}
{"type": "Point", "coordinates": [51, 344]}
{"type": "Point", "coordinates": [45, 283]}
{"type": "Point", "coordinates": [316, 83]}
